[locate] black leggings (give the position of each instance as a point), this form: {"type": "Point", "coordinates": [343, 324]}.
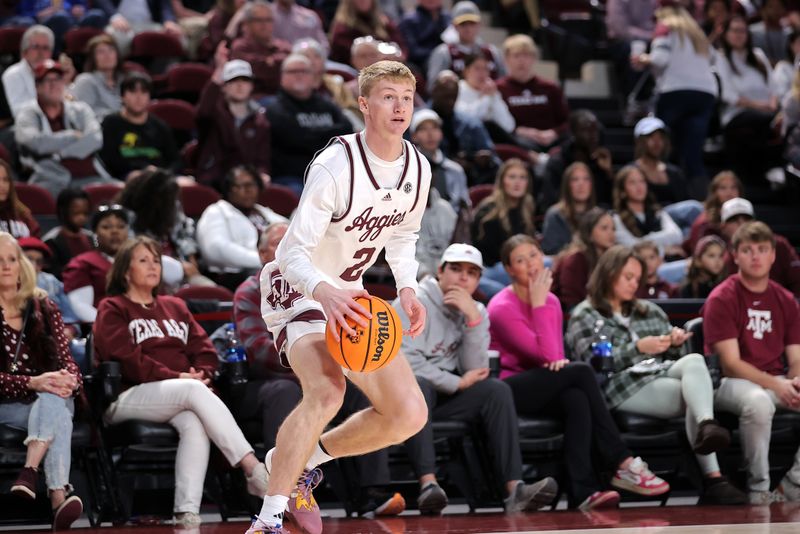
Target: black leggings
{"type": "Point", "coordinates": [573, 394]}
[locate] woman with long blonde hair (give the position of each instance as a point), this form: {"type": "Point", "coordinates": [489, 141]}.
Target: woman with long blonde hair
{"type": "Point", "coordinates": [680, 60]}
{"type": "Point", "coordinates": [561, 219]}
{"type": "Point", "coordinates": [359, 18]}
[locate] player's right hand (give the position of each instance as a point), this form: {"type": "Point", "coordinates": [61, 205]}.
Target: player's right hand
{"type": "Point", "coordinates": [338, 304]}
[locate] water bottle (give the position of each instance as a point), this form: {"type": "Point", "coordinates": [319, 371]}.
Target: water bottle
{"type": "Point", "coordinates": [234, 369]}
{"type": "Point", "coordinates": [235, 350]}
{"type": "Point", "coordinates": [602, 350]}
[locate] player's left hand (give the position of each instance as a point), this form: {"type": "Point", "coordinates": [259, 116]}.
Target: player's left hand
{"type": "Point", "coordinates": [414, 310]}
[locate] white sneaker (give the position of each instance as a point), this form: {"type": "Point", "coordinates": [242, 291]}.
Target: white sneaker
{"type": "Point", "coordinates": [187, 519]}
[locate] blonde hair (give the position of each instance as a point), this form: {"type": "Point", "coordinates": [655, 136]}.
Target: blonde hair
{"type": "Point", "coordinates": [385, 69]}
{"type": "Point", "coordinates": [678, 20]}
{"type": "Point", "coordinates": [27, 275]}
{"type": "Point", "coordinates": [520, 43]}
{"type": "Point", "coordinates": [370, 23]}
{"type": "Point", "coordinates": [500, 204]}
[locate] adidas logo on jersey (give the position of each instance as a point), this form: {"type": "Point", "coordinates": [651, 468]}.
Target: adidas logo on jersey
{"type": "Point", "coordinates": [388, 197]}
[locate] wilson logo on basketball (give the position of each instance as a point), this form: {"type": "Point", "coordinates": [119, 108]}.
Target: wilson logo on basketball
{"type": "Point", "coordinates": [373, 225]}
{"type": "Point", "coordinates": [382, 335]}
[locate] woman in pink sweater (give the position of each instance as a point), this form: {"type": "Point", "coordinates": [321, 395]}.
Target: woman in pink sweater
{"type": "Point", "coordinates": [526, 328]}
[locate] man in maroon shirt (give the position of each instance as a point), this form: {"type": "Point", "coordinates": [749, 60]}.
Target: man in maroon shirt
{"type": "Point", "coordinates": [258, 47]}
{"type": "Point", "coordinates": [754, 325]}
{"type": "Point", "coordinates": [538, 106]}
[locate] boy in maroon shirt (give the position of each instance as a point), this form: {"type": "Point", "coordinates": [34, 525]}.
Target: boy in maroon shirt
{"type": "Point", "coordinates": [754, 325]}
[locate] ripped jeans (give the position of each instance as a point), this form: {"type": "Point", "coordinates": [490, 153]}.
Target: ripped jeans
{"type": "Point", "coordinates": [48, 418]}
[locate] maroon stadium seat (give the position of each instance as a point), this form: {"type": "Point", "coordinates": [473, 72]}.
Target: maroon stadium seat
{"type": "Point", "coordinates": [506, 152]}
{"type": "Point", "coordinates": [279, 198]}
{"type": "Point", "coordinates": [186, 80]}
{"type": "Point", "coordinates": [37, 199]}
{"type": "Point", "coordinates": [102, 193]}
{"type": "Point", "coordinates": [156, 44]}
{"type": "Point", "coordinates": [76, 39]}
{"type": "Point", "coordinates": [10, 39]}
{"type": "Point", "coordinates": [196, 198]}
{"type": "Point", "coordinates": [479, 192]}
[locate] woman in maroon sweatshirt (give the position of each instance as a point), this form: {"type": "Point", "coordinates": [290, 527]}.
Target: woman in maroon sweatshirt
{"type": "Point", "coordinates": [167, 364]}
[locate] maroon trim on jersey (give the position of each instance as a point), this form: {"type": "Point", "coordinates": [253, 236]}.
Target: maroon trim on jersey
{"type": "Point", "coordinates": [405, 166]}
{"type": "Point", "coordinates": [310, 316]}
{"type": "Point", "coordinates": [419, 178]}
{"type": "Point", "coordinates": [365, 161]}
{"type": "Point", "coordinates": [352, 178]}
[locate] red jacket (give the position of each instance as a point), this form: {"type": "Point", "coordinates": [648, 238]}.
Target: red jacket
{"type": "Point", "coordinates": [266, 62]}
{"type": "Point", "coordinates": [569, 279]}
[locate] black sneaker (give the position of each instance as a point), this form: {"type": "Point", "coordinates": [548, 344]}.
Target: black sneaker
{"type": "Point", "coordinates": [375, 502]}
{"type": "Point", "coordinates": [432, 499]}
{"type": "Point", "coordinates": [719, 490]}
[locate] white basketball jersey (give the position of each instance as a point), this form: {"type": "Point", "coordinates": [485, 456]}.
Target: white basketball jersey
{"type": "Point", "coordinates": [354, 239]}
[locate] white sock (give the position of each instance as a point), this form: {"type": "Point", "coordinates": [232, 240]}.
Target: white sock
{"type": "Point", "coordinates": [272, 510]}
{"type": "Point", "coordinates": [318, 457]}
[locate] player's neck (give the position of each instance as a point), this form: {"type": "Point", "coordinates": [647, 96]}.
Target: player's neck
{"type": "Point", "coordinates": [387, 147]}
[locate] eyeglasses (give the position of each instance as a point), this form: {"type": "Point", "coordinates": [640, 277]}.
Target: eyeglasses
{"type": "Point", "coordinates": [42, 47]}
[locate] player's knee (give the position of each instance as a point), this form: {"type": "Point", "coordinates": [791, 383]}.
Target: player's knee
{"type": "Point", "coordinates": [409, 418]}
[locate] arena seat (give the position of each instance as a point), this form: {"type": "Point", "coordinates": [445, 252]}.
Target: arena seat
{"type": "Point", "coordinates": [195, 198]}
{"type": "Point", "coordinates": [179, 115]}
{"type": "Point", "coordinates": [36, 198]}
{"type": "Point", "coordinates": [189, 154]}
{"type": "Point", "coordinates": [506, 152]}
{"type": "Point", "coordinates": [185, 81]}
{"type": "Point", "coordinates": [479, 192]}
{"type": "Point", "coordinates": [156, 50]}
{"type": "Point", "coordinates": [75, 41]}
{"type": "Point", "coordinates": [100, 194]}
{"type": "Point", "coordinates": [279, 198]}
{"type": "Point", "coordinates": [10, 39]}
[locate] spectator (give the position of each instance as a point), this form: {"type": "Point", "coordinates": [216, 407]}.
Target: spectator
{"type": "Point", "coordinates": [85, 274]}
{"type": "Point", "coordinates": [715, 15]}
{"type": "Point", "coordinates": [628, 22]}
{"type": "Point", "coordinates": [638, 216]}
{"type": "Point", "coordinates": [59, 16]}
{"type": "Point", "coordinates": [561, 219]}
{"type": "Point", "coordinates": [652, 147]}
{"type": "Point", "coordinates": [652, 286]}
{"type": "Point", "coordinates": [152, 197]}
{"type": "Point", "coordinates": [451, 363]}
{"type": "Point", "coordinates": [786, 266]}
{"type": "Point", "coordinates": [680, 60]}
{"type": "Point", "coordinates": [18, 79]}
{"type": "Point", "coordinates": [294, 22]}
{"type": "Point", "coordinates": [784, 72]}
{"type": "Point", "coordinates": [223, 23]}
{"type": "Point", "coordinates": [99, 83]}
{"type": "Point", "coordinates": [583, 145]}
{"type": "Point", "coordinates": [228, 230]}
{"type": "Point", "coordinates": [509, 210]}
{"type": "Point", "coordinates": [233, 128]}
{"type": "Point", "coordinates": [39, 379]}
{"type": "Point", "coordinates": [59, 138]}
{"type": "Point", "coordinates": [706, 268]}
{"type": "Point", "coordinates": [769, 34]}
{"type": "Point", "coordinates": [71, 237]}
{"type": "Point", "coordinates": [526, 329]}
{"type": "Point", "coordinates": [725, 186]}
{"type": "Point", "coordinates": [466, 141]}
{"type": "Point", "coordinates": [273, 390]}
{"type": "Point", "coordinates": [15, 217]}
{"type": "Point", "coordinates": [359, 18]}
{"type": "Point", "coordinates": [167, 364]}
{"type": "Point", "coordinates": [306, 121]}
{"type": "Point", "coordinates": [131, 17]}
{"type": "Point", "coordinates": [538, 106]}
{"type": "Point", "coordinates": [258, 47]}
{"type": "Point", "coordinates": [422, 29]}
{"type": "Point", "coordinates": [133, 138]}
{"type": "Point", "coordinates": [754, 324]}
{"type": "Point", "coordinates": [450, 56]}
{"type": "Point", "coordinates": [665, 381]}
{"type": "Point", "coordinates": [448, 177]}
{"type": "Point", "coordinates": [439, 227]}
{"type": "Point", "coordinates": [478, 97]}
{"type": "Point", "coordinates": [573, 266]}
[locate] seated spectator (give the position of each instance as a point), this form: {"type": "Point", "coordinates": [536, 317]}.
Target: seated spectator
{"type": "Point", "coordinates": [167, 364]}
{"type": "Point", "coordinates": [448, 178]}
{"type": "Point", "coordinates": [538, 106]}
{"type": "Point", "coordinates": [724, 186]}
{"type": "Point", "coordinates": [652, 147]}
{"type": "Point", "coordinates": [707, 268]}
{"type": "Point", "coordinates": [228, 230]}
{"type": "Point", "coordinates": [439, 227]}
{"type": "Point", "coordinates": [305, 120]}
{"type": "Point", "coordinates": [39, 381]}
{"type": "Point", "coordinates": [638, 217]}
{"type": "Point", "coordinates": [653, 375]}
{"type": "Point", "coordinates": [450, 56]}
{"type": "Point", "coordinates": [152, 197]}
{"type": "Point", "coordinates": [135, 16]}
{"type": "Point", "coordinates": [133, 138]}
{"type": "Point", "coordinates": [258, 47]}
{"type": "Point", "coordinates": [355, 19]}
{"type": "Point", "coordinates": [526, 329]}
{"type": "Point", "coordinates": [769, 34]}
{"type": "Point", "coordinates": [573, 266]}
{"type": "Point", "coordinates": [754, 325]}
{"type": "Point", "coordinates": [294, 22]}
{"type": "Point", "coordinates": [85, 274]}
{"type": "Point", "coordinates": [715, 15]}
{"type": "Point", "coordinates": [466, 140]}
{"type": "Point", "coordinates": [652, 286]}
{"type": "Point", "coordinates": [422, 29]}
{"type": "Point", "coordinates": [478, 97]}
{"type": "Point", "coordinates": [584, 145]}
{"type": "Point", "coordinates": [60, 16]}
{"type": "Point", "coordinates": [509, 210]}
{"type": "Point", "coordinates": [99, 83]}
{"type": "Point", "coordinates": [59, 138]}
{"type": "Point", "coordinates": [15, 217]}
{"type": "Point", "coordinates": [561, 219]}
{"type": "Point", "coordinates": [233, 128]}
{"type": "Point", "coordinates": [786, 266]}
{"type": "Point", "coordinates": [70, 238]}
{"type": "Point", "coordinates": [451, 363]}
{"type": "Point", "coordinates": [784, 72]}
{"type": "Point", "coordinates": [273, 390]}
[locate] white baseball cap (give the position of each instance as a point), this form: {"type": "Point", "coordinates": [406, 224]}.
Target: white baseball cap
{"type": "Point", "coordinates": [648, 125]}
{"type": "Point", "coordinates": [236, 68]}
{"type": "Point", "coordinates": [736, 206]}
{"type": "Point", "coordinates": [461, 252]}
{"type": "Point", "coordinates": [424, 115]}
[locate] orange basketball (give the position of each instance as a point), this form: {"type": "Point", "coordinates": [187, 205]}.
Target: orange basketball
{"type": "Point", "coordinates": [372, 347]}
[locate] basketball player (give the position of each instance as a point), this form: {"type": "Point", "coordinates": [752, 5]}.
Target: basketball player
{"type": "Point", "coordinates": [364, 192]}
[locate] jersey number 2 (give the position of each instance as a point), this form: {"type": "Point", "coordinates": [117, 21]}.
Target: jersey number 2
{"type": "Point", "coordinates": [351, 274]}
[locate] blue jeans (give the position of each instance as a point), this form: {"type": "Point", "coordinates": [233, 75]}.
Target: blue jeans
{"type": "Point", "coordinates": [684, 213]}
{"type": "Point", "coordinates": [493, 279]}
{"type": "Point", "coordinates": [49, 419]}
{"type": "Point", "coordinates": [673, 272]}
